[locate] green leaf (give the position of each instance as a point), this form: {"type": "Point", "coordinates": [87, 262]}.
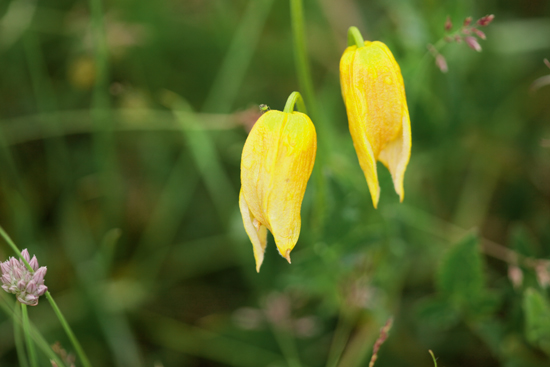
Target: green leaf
{"type": "Point", "coordinates": [537, 319]}
{"type": "Point", "coordinates": [461, 273]}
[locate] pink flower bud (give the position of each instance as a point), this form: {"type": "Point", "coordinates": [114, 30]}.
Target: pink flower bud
{"type": "Point", "coordinates": [22, 285]}
{"type": "Point", "coordinates": [41, 290]}
{"type": "Point", "coordinates": [5, 267]}
{"type": "Point", "coordinates": [515, 275]}
{"type": "Point", "coordinates": [34, 263]}
{"type": "Point", "coordinates": [467, 21]}
{"type": "Point", "coordinates": [25, 255]}
{"type": "Point", "coordinates": [472, 43]}
{"type": "Point", "coordinates": [29, 299]}
{"type": "Point", "coordinates": [40, 274]}
{"type": "Point", "coordinates": [31, 287]}
{"type": "Point", "coordinates": [441, 63]}
{"type": "Point", "coordinates": [18, 272]}
{"type": "Point", "coordinates": [486, 20]}
{"type": "Point", "coordinates": [448, 24]}
{"type": "Point", "coordinates": [6, 278]}
{"type": "Point", "coordinates": [458, 39]}
{"type": "Point", "coordinates": [466, 30]}
{"type": "Point", "coordinates": [479, 33]}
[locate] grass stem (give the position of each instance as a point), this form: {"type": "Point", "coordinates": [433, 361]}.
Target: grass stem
{"type": "Point", "coordinates": [28, 339]}
{"type": "Point", "coordinates": [18, 338]}
{"type": "Point", "coordinates": [76, 344]}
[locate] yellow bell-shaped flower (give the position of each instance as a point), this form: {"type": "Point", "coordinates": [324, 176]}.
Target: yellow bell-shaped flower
{"type": "Point", "coordinates": [276, 164]}
{"type": "Point", "coordinates": [374, 95]}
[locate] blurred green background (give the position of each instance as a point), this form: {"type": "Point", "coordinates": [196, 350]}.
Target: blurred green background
{"type": "Point", "coordinates": [121, 128]}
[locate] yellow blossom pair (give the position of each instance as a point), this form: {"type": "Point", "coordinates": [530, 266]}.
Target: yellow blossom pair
{"type": "Point", "coordinates": [279, 153]}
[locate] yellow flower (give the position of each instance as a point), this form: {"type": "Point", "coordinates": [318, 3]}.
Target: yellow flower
{"type": "Point", "coordinates": [374, 95]}
{"type": "Point", "coordinates": [276, 163]}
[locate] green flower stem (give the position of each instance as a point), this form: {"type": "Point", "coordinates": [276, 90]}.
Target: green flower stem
{"type": "Point", "coordinates": [27, 330]}
{"type": "Point", "coordinates": [76, 345]}
{"type": "Point", "coordinates": [288, 346]}
{"type": "Point", "coordinates": [18, 338]}
{"type": "Point", "coordinates": [355, 38]}
{"type": "Point", "coordinates": [295, 97]}
{"type": "Point", "coordinates": [433, 357]}
{"type": "Point", "coordinates": [346, 322]}
{"type": "Point", "coordinates": [300, 54]}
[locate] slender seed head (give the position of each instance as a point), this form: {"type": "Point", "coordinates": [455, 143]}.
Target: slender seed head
{"type": "Point", "coordinates": [448, 24]}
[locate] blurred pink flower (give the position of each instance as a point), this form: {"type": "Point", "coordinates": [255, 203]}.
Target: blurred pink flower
{"type": "Point", "coordinates": [486, 20]}
{"type": "Point", "coordinates": [472, 43]}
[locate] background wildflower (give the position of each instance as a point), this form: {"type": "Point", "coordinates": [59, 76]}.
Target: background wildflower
{"type": "Point", "coordinates": [468, 33]}
{"type": "Point", "coordinates": [17, 279]}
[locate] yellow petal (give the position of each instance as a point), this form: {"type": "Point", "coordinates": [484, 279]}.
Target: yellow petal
{"type": "Point", "coordinates": [276, 164]}
{"type": "Point", "coordinates": [255, 230]}
{"type": "Point", "coordinates": [396, 155]}
{"type": "Point", "coordinates": [374, 95]}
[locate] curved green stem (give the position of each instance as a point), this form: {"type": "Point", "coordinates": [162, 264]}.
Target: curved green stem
{"type": "Point", "coordinates": [295, 97]}
{"type": "Point", "coordinates": [76, 344]}
{"type": "Point", "coordinates": [27, 331]}
{"type": "Point", "coordinates": [355, 38]}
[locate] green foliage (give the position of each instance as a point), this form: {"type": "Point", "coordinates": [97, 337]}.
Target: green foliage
{"type": "Point", "coordinates": [537, 319]}
{"type": "Point", "coordinates": [461, 275]}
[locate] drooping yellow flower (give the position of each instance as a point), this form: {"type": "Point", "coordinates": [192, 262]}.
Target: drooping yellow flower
{"type": "Point", "coordinates": [276, 164]}
{"type": "Point", "coordinates": [374, 95]}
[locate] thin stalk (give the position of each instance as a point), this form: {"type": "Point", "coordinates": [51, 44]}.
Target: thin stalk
{"type": "Point", "coordinates": [288, 347]}
{"type": "Point", "coordinates": [28, 339]}
{"type": "Point", "coordinates": [232, 71]}
{"type": "Point", "coordinates": [295, 97]}
{"type": "Point", "coordinates": [76, 344]}
{"type": "Point", "coordinates": [300, 54]}
{"type": "Point", "coordinates": [18, 338]}
{"type": "Point", "coordinates": [355, 38]}
{"type": "Point", "coordinates": [14, 247]}
{"type": "Point", "coordinates": [340, 339]}
{"type": "Point", "coordinates": [433, 357]}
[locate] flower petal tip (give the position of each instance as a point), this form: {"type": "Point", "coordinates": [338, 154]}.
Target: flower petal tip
{"type": "Point", "coordinates": [287, 256]}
